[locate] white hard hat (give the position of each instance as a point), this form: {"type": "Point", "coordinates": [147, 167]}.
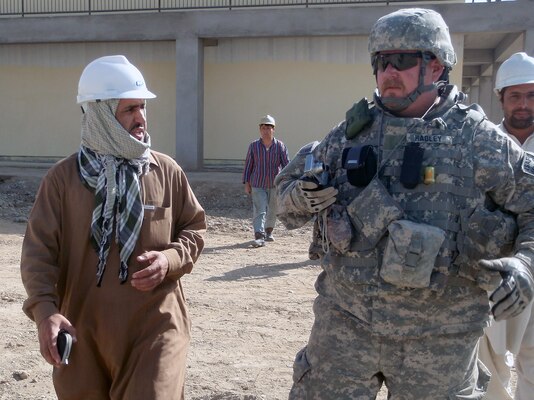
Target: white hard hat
{"type": "Point", "coordinates": [111, 77]}
{"type": "Point", "coordinates": [267, 120]}
{"type": "Point", "coordinates": [517, 70]}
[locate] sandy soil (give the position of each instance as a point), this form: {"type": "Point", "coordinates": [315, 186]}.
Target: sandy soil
{"type": "Point", "coordinates": [251, 308]}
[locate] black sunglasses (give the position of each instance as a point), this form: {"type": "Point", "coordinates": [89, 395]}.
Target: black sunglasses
{"type": "Point", "coordinates": [399, 61]}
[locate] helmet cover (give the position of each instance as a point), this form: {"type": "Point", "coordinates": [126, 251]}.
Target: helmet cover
{"type": "Point", "coordinates": [413, 29]}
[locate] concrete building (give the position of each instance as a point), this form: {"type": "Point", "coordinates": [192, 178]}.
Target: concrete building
{"type": "Point", "coordinates": [216, 71]}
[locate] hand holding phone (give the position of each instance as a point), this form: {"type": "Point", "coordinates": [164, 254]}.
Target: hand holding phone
{"type": "Point", "coordinates": [64, 345]}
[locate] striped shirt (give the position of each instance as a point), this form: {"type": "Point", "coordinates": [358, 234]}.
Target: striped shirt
{"type": "Point", "coordinates": [262, 165]}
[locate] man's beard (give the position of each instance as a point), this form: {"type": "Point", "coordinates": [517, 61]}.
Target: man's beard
{"type": "Point", "coordinates": [391, 83]}
{"type": "Point", "coordinates": [521, 123]}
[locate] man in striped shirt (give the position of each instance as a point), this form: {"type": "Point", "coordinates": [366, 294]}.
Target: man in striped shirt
{"type": "Point", "coordinates": [266, 157]}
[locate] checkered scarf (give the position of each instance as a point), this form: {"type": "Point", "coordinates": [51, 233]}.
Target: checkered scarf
{"type": "Point", "coordinates": [111, 162]}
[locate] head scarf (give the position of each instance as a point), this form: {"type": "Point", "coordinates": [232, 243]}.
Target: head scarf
{"type": "Point", "coordinates": [111, 161]}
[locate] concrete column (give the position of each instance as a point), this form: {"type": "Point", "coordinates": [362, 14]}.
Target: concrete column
{"type": "Point", "coordinates": [529, 41]}
{"type": "Point", "coordinates": [485, 94]}
{"type": "Point", "coordinates": [474, 96]}
{"type": "Point", "coordinates": [189, 103]}
{"type": "Point", "coordinates": [495, 112]}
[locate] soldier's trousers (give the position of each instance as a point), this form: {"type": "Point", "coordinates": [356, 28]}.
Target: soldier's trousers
{"type": "Point", "coordinates": [344, 361]}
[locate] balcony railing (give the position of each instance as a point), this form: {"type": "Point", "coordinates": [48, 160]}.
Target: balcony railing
{"type": "Point", "coordinates": [22, 8]}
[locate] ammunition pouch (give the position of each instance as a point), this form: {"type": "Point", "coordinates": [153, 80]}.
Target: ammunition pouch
{"type": "Point", "coordinates": [410, 254]}
{"type": "Point", "coordinates": [372, 211]}
{"type": "Point", "coordinates": [339, 228]}
{"type": "Point", "coordinates": [487, 235]}
{"type": "Point", "coordinates": [360, 162]}
{"type": "Point", "coordinates": [412, 162]}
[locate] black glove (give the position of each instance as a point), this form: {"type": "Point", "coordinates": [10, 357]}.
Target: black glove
{"type": "Point", "coordinates": [516, 289]}
{"type": "Point", "coordinates": [307, 196]}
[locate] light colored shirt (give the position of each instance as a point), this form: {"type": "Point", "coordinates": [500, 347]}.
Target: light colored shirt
{"type": "Point", "coordinates": [527, 146]}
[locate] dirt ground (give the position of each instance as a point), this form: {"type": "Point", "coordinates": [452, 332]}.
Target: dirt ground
{"type": "Point", "coordinates": [251, 308]}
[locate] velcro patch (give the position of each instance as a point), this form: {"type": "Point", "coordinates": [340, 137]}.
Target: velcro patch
{"type": "Point", "coordinates": [528, 163]}
{"type": "Point", "coordinates": [417, 138]}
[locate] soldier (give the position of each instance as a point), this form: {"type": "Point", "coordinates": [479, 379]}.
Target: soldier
{"type": "Point", "coordinates": [514, 85]}
{"type": "Point", "coordinates": [416, 182]}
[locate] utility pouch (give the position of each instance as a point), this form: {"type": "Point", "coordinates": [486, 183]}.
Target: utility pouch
{"type": "Point", "coordinates": [373, 210]}
{"type": "Point", "coordinates": [360, 163]}
{"type": "Point", "coordinates": [339, 228]}
{"type": "Point", "coordinates": [486, 235]}
{"type": "Point", "coordinates": [412, 162]}
{"type": "Point", "coordinates": [357, 118]}
{"type": "Point", "coordinates": [411, 253]}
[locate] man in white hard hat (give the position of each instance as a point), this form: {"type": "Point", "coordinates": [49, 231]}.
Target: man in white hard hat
{"type": "Point", "coordinates": [514, 85]}
{"type": "Point", "coordinates": [113, 228]}
{"type": "Point", "coordinates": [266, 157]}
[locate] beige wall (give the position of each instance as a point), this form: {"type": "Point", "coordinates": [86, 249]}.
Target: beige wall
{"type": "Point", "coordinates": [38, 110]}
{"type": "Point", "coordinates": [307, 84]}
{"type": "Point", "coordinates": [306, 99]}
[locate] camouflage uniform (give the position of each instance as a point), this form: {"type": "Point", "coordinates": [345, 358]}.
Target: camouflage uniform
{"type": "Point", "coordinates": [419, 337]}
{"type": "Point", "coordinates": [401, 298]}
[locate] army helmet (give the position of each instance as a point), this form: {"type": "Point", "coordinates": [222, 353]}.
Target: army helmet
{"type": "Point", "coordinates": [413, 29]}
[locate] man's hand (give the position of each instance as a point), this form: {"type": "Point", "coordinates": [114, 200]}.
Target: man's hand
{"type": "Point", "coordinates": [248, 188]}
{"type": "Point", "coordinates": [307, 196]}
{"type": "Point", "coordinates": [47, 331]}
{"type": "Point", "coordinates": [151, 276]}
{"type": "Point", "coordinates": [516, 289]}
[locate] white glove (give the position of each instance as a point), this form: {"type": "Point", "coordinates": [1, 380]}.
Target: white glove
{"type": "Point", "coordinates": [516, 289]}
{"type": "Point", "coordinates": [308, 197]}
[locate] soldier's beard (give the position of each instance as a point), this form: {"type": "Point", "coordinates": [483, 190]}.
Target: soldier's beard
{"type": "Point", "coordinates": [392, 84]}
{"type": "Point", "coordinates": [393, 103]}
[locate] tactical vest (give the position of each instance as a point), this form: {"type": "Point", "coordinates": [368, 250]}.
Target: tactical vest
{"type": "Point", "coordinates": [447, 202]}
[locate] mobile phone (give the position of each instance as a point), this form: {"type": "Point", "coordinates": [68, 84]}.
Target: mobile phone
{"type": "Point", "coordinates": [64, 345]}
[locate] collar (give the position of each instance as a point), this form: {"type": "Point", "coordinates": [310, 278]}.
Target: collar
{"type": "Point", "coordinates": [152, 160]}
{"type": "Point", "coordinates": [529, 143]}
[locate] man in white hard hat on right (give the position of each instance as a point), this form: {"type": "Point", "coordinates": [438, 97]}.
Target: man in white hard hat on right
{"type": "Point", "coordinates": [514, 85]}
{"type": "Point", "coordinates": [113, 228]}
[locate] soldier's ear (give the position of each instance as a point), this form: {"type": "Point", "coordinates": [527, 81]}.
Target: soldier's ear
{"type": "Point", "coordinates": [436, 68]}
